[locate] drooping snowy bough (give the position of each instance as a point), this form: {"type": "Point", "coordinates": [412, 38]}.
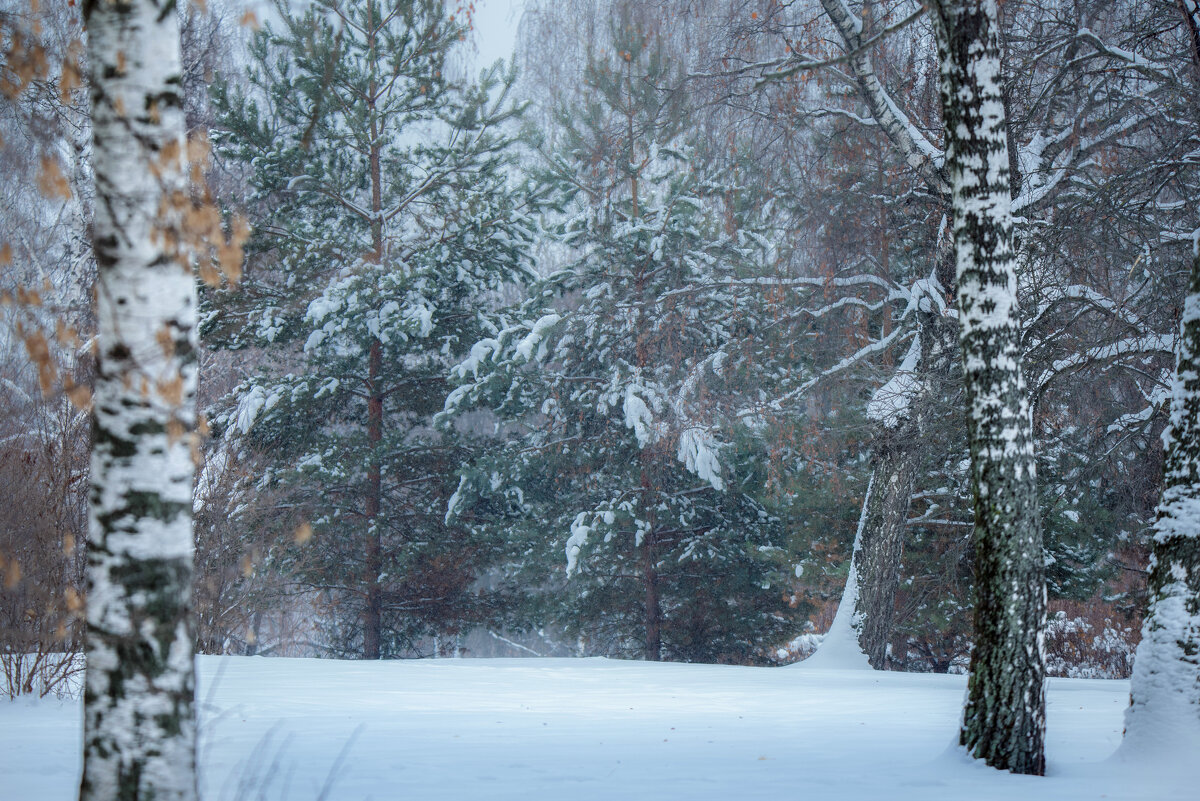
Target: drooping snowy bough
{"type": "Point", "coordinates": [1004, 719]}
{"type": "Point", "coordinates": [139, 729]}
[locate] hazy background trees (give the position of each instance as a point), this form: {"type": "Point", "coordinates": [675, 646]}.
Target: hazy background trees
{"type": "Point", "coordinates": [800, 338]}
{"type": "Point", "coordinates": [46, 323]}
{"type": "Point", "coordinates": [841, 363]}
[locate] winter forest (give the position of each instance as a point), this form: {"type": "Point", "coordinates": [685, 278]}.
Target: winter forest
{"type": "Point", "coordinates": [375, 414]}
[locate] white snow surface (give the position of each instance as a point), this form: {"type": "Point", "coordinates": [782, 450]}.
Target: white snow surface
{"type": "Point", "coordinates": [584, 729]}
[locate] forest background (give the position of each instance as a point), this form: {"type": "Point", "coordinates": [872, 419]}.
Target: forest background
{"type": "Point", "coordinates": [697, 334]}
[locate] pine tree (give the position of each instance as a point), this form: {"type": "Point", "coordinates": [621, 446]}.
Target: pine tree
{"type": "Point", "coordinates": [1005, 717]}
{"type": "Point", "coordinates": [139, 726]}
{"type": "Point", "coordinates": [391, 232]}
{"type": "Point", "coordinates": [611, 375]}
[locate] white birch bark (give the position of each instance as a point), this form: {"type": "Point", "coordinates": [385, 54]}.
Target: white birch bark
{"type": "Point", "coordinates": [1165, 693]}
{"type": "Point", "coordinates": [1165, 703]}
{"type": "Point", "coordinates": [138, 716]}
{"type": "Point", "coordinates": [1004, 719]}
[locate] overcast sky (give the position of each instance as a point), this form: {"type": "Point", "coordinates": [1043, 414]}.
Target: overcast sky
{"type": "Point", "coordinates": [495, 24]}
{"type": "Point", "coordinates": [496, 29]}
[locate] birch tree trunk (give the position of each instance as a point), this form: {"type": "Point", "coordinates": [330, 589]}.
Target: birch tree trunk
{"type": "Point", "coordinates": [1165, 692]}
{"type": "Point", "coordinates": [1004, 719]}
{"type": "Point", "coordinates": [139, 732]}
{"type": "Point", "coordinates": [1165, 702]}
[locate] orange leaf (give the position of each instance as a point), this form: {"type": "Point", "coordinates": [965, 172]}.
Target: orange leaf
{"type": "Point", "coordinates": [303, 534]}
{"type": "Point", "coordinates": [51, 182]}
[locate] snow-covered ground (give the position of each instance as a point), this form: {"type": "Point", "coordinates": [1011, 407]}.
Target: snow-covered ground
{"type": "Point", "coordinates": [577, 729]}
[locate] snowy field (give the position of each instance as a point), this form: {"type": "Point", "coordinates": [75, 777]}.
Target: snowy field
{"type": "Point", "coordinates": [299, 729]}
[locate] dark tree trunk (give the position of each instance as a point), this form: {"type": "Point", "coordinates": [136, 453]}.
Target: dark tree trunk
{"type": "Point", "coordinates": [373, 617]}
{"type": "Point", "coordinates": [898, 450]}
{"type": "Point", "coordinates": [896, 460]}
{"type": "Point", "coordinates": [373, 614]}
{"type": "Point", "coordinates": [1191, 25]}
{"type": "Point", "coordinates": [1004, 720]}
{"type": "Point", "coordinates": [653, 649]}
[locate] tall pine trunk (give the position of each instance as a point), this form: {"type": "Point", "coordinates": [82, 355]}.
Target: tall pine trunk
{"type": "Point", "coordinates": [139, 730]}
{"type": "Point", "coordinates": [653, 644]}
{"type": "Point", "coordinates": [373, 614]}
{"type": "Point", "coordinates": [648, 556]}
{"type": "Point", "coordinates": [1004, 720]}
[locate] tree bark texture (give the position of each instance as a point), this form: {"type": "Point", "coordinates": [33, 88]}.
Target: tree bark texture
{"type": "Point", "coordinates": [1166, 671]}
{"type": "Point", "coordinates": [897, 448]}
{"type": "Point", "coordinates": [373, 614]}
{"type": "Point", "coordinates": [653, 648]}
{"type": "Point", "coordinates": [1004, 718]}
{"type": "Point", "coordinates": [1191, 24]}
{"type": "Point", "coordinates": [139, 730]}
{"type": "Point", "coordinates": [878, 560]}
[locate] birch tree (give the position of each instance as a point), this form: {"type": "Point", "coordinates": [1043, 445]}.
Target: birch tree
{"type": "Point", "coordinates": [139, 731]}
{"type": "Point", "coordinates": [1166, 671]}
{"type": "Point", "coordinates": [1004, 720]}
{"type": "Point", "coordinates": [1088, 84]}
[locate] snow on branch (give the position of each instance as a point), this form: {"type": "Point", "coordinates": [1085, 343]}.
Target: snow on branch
{"type": "Point", "coordinates": [1134, 60]}
{"type": "Point", "coordinates": [924, 295]}
{"type": "Point", "coordinates": [1149, 344]}
{"type": "Point", "coordinates": [891, 402]}
{"type": "Point", "coordinates": [913, 146]}
{"type": "Point", "coordinates": [797, 63]}
{"type": "Point", "coordinates": [1085, 294]}
{"type": "Point", "coordinates": [863, 279]}
{"type": "Point", "coordinates": [898, 334]}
